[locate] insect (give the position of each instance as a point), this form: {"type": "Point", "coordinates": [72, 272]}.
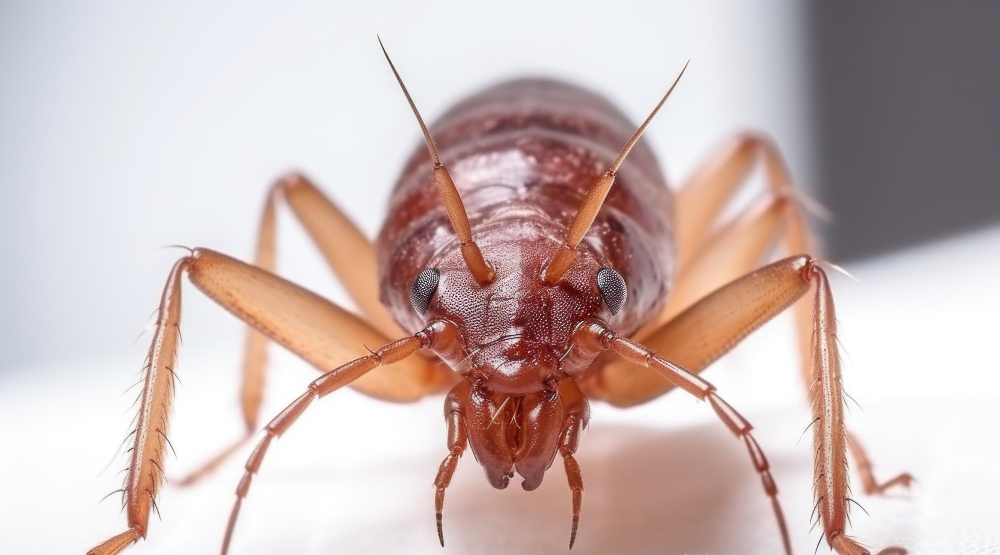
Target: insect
{"type": "Point", "coordinates": [546, 271]}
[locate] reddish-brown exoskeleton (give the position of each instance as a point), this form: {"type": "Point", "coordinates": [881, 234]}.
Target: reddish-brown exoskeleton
{"type": "Point", "coordinates": [540, 285]}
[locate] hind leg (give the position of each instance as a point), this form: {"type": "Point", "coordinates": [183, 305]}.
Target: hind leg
{"type": "Point", "coordinates": [713, 325]}
{"type": "Point", "coordinates": [351, 257]}
{"type": "Point", "coordinates": [713, 254]}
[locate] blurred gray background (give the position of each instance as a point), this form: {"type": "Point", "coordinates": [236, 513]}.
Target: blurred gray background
{"type": "Point", "coordinates": [124, 128]}
{"type": "Point", "coordinates": [905, 97]}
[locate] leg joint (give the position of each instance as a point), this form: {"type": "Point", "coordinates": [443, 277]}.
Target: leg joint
{"type": "Point", "coordinates": [288, 181]}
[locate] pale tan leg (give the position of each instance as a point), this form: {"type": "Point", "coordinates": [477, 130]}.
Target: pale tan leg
{"type": "Point", "coordinates": [438, 336]}
{"type": "Point", "coordinates": [863, 466]}
{"type": "Point", "coordinates": [706, 331]}
{"type": "Point", "coordinates": [712, 326]}
{"type": "Point", "coordinates": [702, 199]}
{"type": "Point", "coordinates": [733, 251]}
{"type": "Point", "coordinates": [351, 257]}
{"type": "Point", "coordinates": [145, 472]}
{"type": "Point", "coordinates": [329, 382]}
{"type": "Point", "coordinates": [312, 327]}
{"type": "Point", "coordinates": [593, 336]}
{"type": "Point", "coordinates": [709, 257]}
{"type": "Point", "coordinates": [349, 253]}
{"type": "Point", "coordinates": [701, 334]}
{"type": "Point", "coordinates": [713, 259]}
{"type": "Point", "coordinates": [699, 204]}
{"type": "Point", "coordinates": [730, 252]}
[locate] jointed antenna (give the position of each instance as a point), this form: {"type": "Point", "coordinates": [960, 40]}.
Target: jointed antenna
{"type": "Point", "coordinates": [449, 194]}
{"type": "Point", "coordinates": [594, 198]}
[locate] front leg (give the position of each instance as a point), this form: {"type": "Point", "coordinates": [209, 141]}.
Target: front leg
{"type": "Point", "coordinates": [577, 416]}
{"type": "Point", "coordinates": [593, 335]}
{"type": "Point", "coordinates": [458, 439]}
{"type": "Point", "coordinates": [390, 354]}
{"type": "Point", "coordinates": [294, 317]}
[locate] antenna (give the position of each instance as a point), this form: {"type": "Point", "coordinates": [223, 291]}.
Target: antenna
{"type": "Point", "coordinates": [594, 199]}
{"type": "Point", "coordinates": [449, 194]}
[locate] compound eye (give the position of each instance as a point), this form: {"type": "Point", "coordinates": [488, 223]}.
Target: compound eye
{"type": "Point", "coordinates": [423, 289]}
{"type": "Point", "coordinates": [612, 287]}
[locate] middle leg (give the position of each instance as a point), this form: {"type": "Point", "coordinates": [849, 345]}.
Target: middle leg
{"type": "Point", "coordinates": [351, 257]}
{"type": "Point", "coordinates": [594, 336]}
{"type": "Point", "coordinates": [711, 259]}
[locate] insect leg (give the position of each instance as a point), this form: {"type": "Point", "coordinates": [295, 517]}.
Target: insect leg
{"type": "Point", "coordinates": [457, 441]}
{"type": "Point", "coordinates": [577, 411]}
{"type": "Point", "coordinates": [709, 260]}
{"type": "Point", "coordinates": [697, 386]}
{"type": "Point", "coordinates": [709, 329]}
{"type": "Point", "coordinates": [701, 200]}
{"type": "Point", "coordinates": [704, 261]}
{"type": "Point", "coordinates": [145, 472]}
{"type": "Point", "coordinates": [348, 253]}
{"type": "Point", "coordinates": [863, 465]}
{"type": "Point", "coordinates": [829, 433]}
{"type": "Point", "coordinates": [351, 257]}
{"type": "Point", "coordinates": [712, 326]}
{"type": "Point", "coordinates": [736, 248]}
{"type": "Point", "coordinates": [437, 336]}
{"type": "Point", "coordinates": [327, 383]}
{"type": "Point", "coordinates": [294, 317]}
{"type": "Point", "coordinates": [700, 203]}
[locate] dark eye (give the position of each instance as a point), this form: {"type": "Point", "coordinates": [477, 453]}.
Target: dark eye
{"type": "Point", "coordinates": [423, 289]}
{"type": "Point", "coordinates": [612, 288]}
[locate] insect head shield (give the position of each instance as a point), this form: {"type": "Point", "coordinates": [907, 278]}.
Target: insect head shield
{"type": "Point", "coordinates": [612, 287]}
{"type": "Point", "coordinates": [423, 289]}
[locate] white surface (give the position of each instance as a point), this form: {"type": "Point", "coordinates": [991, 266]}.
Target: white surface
{"type": "Point", "coordinates": [354, 475]}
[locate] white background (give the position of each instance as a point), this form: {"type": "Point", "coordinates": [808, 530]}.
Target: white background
{"type": "Point", "coordinates": [129, 127]}
{"type": "Point", "coordinates": [126, 128]}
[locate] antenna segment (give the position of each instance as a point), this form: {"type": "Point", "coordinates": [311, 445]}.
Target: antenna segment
{"type": "Point", "coordinates": [449, 194]}
{"type": "Point", "coordinates": [594, 199]}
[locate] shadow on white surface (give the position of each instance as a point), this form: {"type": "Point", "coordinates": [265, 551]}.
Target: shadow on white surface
{"type": "Point", "coordinates": [688, 490]}
{"type": "Point", "coordinates": [648, 491]}
{"type": "Point", "coordinates": [354, 475]}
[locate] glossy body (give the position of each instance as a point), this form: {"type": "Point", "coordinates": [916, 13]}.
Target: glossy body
{"type": "Point", "coordinates": [522, 155]}
{"type": "Point", "coordinates": [523, 252]}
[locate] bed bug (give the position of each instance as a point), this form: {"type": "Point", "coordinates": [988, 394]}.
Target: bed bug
{"type": "Point", "coordinates": [546, 272]}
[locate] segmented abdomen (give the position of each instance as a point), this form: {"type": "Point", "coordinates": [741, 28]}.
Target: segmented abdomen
{"type": "Point", "coordinates": [522, 154]}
